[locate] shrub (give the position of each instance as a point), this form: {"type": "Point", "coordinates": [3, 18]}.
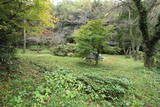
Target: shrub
{"type": "Point", "coordinates": [8, 60]}
{"type": "Point", "coordinates": [112, 50]}
{"type": "Point", "coordinates": [64, 50]}
{"type": "Point", "coordinates": [35, 48]}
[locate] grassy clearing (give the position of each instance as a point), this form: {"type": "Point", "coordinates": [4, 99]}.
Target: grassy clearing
{"type": "Point", "coordinates": [146, 83]}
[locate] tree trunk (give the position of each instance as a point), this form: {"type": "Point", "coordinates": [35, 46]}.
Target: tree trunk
{"type": "Point", "coordinates": [24, 38]}
{"type": "Point", "coordinates": [124, 50]}
{"type": "Point", "coordinates": [97, 57]}
{"type": "Point", "coordinates": [133, 49]}
{"type": "Point", "coordinates": [148, 60]}
{"type": "Point", "coordinates": [96, 62]}
{"type": "Point", "coordinates": [130, 51]}
{"type": "Point", "coordinates": [137, 48]}
{"type": "Point", "coordinates": [137, 55]}
{"type": "Point", "coordinates": [143, 25]}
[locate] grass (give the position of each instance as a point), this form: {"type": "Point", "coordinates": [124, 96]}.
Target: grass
{"type": "Point", "coordinates": [146, 83]}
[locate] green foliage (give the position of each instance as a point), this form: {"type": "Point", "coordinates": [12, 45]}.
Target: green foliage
{"type": "Point", "coordinates": [35, 48]}
{"type": "Point", "coordinates": [105, 88]}
{"type": "Point", "coordinates": [64, 83]}
{"type": "Point", "coordinates": [38, 17]}
{"type": "Point", "coordinates": [157, 61]}
{"type": "Point", "coordinates": [8, 29]}
{"type": "Point", "coordinates": [41, 95]}
{"type": "Point", "coordinates": [36, 14]}
{"type": "Point", "coordinates": [138, 55]}
{"type": "Point", "coordinates": [61, 76]}
{"type": "Point", "coordinates": [112, 50]}
{"type": "Point", "coordinates": [64, 50]}
{"type": "Point", "coordinates": [67, 85]}
{"type": "Point", "coordinates": [92, 36]}
{"type": "Point", "coordinates": [7, 55]}
{"type": "Point", "coordinates": [16, 101]}
{"type": "Point", "coordinates": [91, 86]}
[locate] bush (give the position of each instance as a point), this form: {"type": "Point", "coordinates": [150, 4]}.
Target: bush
{"type": "Point", "coordinates": [35, 48]}
{"type": "Point", "coordinates": [112, 50]}
{"type": "Point", "coordinates": [8, 60]}
{"type": "Point", "coordinates": [64, 50]}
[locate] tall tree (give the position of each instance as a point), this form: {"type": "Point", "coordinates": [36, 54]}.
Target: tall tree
{"type": "Point", "coordinates": [36, 14]}
{"type": "Point", "coordinates": [130, 38]}
{"type": "Point", "coordinates": [150, 41]}
{"type": "Point", "coordinates": [73, 14]}
{"type": "Point", "coordinates": [37, 18]}
{"type": "Point", "coordinates": [10, 29]}
{"type": "Point", "coordinates": [92, 37]}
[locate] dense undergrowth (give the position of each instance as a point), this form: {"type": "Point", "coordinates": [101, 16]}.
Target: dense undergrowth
{"type": "Point", "coordinates": [46, 80]}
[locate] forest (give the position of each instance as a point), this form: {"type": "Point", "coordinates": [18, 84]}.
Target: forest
{"type": "Point", "coordinates": [79, 53]}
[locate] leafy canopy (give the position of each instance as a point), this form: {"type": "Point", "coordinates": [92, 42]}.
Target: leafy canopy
{"type": "Point", "coordinates": [91, 37]}
{"type": "Point", "coordinates": [35, 13]}
{"type": "Point", "coordinates": [39, 16]}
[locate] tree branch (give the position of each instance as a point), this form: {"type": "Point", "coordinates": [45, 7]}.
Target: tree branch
{"type": "Point", "coordinates": [5, 2]}
{"type": "Point", "coordinates": [123, 3]}
{"type": "Point", "coordinates": [156, 38]}
{"type": "Point", "coordinates": [142, 20]}
{"type": "Point", "coordinates": [127, 4]}
{"type": "Point", "coordinates": [153, 4]}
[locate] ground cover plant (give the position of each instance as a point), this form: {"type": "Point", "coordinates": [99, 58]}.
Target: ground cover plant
{"type": "Point", "coordinates": [62, 81]}
{"type": "Point", "coordinates": [79, 53]}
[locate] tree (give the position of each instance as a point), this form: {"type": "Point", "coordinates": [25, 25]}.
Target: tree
{"type": "Point", "coordinates": [90, 38]}
{"type": "Point", "coordinates": [37, 18]}
{"type": "Point", "coordinates": [73, 14]}
{"type": "Point", "coordinates": [10, 20]}
{"type": "Point", "coordinates": [129, 36]}
{"type": "Point", "coordinates": [13, 14]}
{"type": "Point", "coordinates": [149, 40]}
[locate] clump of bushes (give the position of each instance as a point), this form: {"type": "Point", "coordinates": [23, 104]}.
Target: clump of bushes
{"type": "Point", "coordinates": [35, 48]}
{"type": "Point", "coordinates": [64, 50]}
{"type": "Point", "coordinates": [112, 50]}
